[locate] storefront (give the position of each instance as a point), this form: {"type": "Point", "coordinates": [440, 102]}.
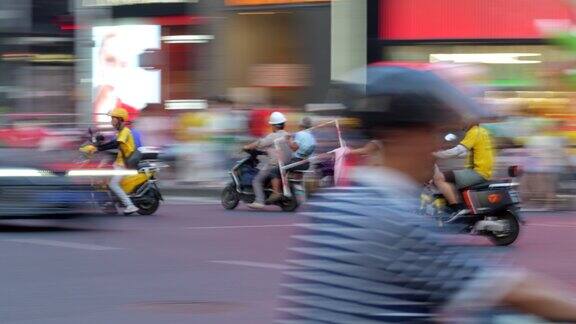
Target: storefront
{"type": "Point", "coordinates": [275, 52]}
{"type": "Point", "coordinates": [507, 40]}
{"type": "Point", "coordinates": [506, 37]}
{"type": "Point", "coordinates": [36, 59]}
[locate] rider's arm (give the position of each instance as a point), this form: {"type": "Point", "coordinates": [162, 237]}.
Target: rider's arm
{"type": "Point", "coordinates": [293, 142]}
{"type": "Point", "coordinates": [458, 150]}
{"type": "Point", "coordinates": [251, 146]}
{"type": "Point", "coordinates": [262, 143]}
{"type": "Point", "coordinates": [367, 149]}
{"type": "Point", "coordinates": [114, 144]}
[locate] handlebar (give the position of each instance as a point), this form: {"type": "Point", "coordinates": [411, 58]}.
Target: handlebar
{"type": "Point", "coordinates": [254, 152]}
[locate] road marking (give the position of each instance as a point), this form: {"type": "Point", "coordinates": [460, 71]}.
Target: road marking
{"type": "Point", "coordinates": [71, 245]}
{"type": "Point", "coordinates": [276, 266]}
{"type": "Point", "coordinates": [240, 226]}
{"type": "Point", "coordinates": [551, 225]}
{"type": "Point", "coordinates": [178, 200]}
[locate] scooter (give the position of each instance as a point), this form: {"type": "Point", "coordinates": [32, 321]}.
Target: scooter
{"type": "Point", "coordinates": [494, 209]}
{"type": "Point", "coordinates": [140, 185]}
{"type": "Point", "coordinates": [240, 188]}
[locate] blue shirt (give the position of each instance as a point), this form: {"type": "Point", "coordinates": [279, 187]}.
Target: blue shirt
{"type": "Point", "coordinates": [306, 144]}
{"type": "Point", "coordinates": [137, 137]}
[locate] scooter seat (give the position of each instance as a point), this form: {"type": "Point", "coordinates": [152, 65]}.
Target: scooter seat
{"type": "Point", "coordinates": [479, 186]}
{"type": "Point", "coordinates": [487, 184]}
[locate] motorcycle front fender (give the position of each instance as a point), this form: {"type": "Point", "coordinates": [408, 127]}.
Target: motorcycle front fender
{"type": "Point", "coordinates": [157, 192]}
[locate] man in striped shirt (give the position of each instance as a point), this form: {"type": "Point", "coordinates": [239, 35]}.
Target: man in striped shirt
{"type": "Point", "coordinates": [365, 256]}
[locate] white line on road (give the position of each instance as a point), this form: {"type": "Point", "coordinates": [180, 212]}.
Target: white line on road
{"type": "Point", "coordinates": [552, 225]}
{"type": "Point", "coordinates": [276, 266]}
{"type": "Point", "coordinates": [71, 245]}
{"type": "Point", "coordinates": [240, 226]}
{"type": "Point", "coordinates": [178, 200]}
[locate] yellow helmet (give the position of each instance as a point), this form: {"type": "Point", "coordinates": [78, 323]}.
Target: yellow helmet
{"type": "Point", "coordinates": [119, 113]}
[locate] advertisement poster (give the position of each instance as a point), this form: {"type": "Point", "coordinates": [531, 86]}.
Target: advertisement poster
{"type": "Point", "coordinates": [117, 78]}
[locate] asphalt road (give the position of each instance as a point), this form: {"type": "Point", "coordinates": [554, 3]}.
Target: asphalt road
{"type": "Point", "coordinates": [192, 263]}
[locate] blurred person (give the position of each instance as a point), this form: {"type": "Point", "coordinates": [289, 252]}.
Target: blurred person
{"type": "Point", "coordinates": [277, 121]}
{"type": "Point", "coordinates": [477, 144]}
{"type": "Point", "coordinates": [365, 256]}
{"type": "Point", "coordinates": [548, 160]}
{"type": "Point", "coordinates": [126, 146]}
{"type": "Point", "coordinates": [303, 144]}
{"type": "Point", "coordinates": [369, 151]}
{"type": "Point", "coordinates": [224, 125]}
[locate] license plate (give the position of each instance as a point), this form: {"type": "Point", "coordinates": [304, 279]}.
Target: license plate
{"type": "Point", "coordinates": [514, 196]}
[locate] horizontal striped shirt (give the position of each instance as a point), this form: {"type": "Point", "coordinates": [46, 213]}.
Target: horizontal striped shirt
{"type": "Point", "coordinates": [365, 256]}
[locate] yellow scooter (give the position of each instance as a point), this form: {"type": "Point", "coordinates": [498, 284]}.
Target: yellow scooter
{"type": "Point", "coordinates": [140, 184]}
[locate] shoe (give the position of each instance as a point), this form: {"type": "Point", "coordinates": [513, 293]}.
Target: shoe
{"type": "Point", "coordinates": [256, 205]}
{"type": "Point", "coordinates": [274, 197]}
{"type": "Point", "coordinates": [457, 214]}
{"type": "Point", "coordinates": [130, 210]}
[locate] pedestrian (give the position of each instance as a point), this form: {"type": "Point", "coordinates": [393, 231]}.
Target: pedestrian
{"type": "Point", "coordinates": [365, 256]}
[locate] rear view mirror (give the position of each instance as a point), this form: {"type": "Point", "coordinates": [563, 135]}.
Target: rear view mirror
{"type": "Point", "coordinates": [450, 137]}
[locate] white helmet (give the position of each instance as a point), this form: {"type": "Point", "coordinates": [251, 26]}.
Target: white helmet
{"type": "Point", "coordinates": [277, 118]}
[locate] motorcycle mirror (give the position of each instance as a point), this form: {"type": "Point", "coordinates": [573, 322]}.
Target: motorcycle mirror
{"type": "Point", "coordinates": [450, 137]}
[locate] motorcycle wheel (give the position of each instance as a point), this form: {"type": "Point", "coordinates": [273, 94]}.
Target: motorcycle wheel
{"type": "Point", "coordinates": [511, 235]}
{"type": "Point", "coordinates": [148, 204]}
{"type": "Point", "coordinates": [230, 197]}
{"type": "Point", "coordinates": [289, 204]}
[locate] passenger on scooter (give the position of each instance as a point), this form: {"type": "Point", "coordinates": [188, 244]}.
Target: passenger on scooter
{"type": "Point", "coordinates": [303, 144]}
{"type": "Point", "coordinates": [135, 133]}
{"type": "Point", "coordinates": [267, 143]}
{"type": "Point", "coordinates": [125, 144]}
{"type": "Point", "coordinates": [479, 166]}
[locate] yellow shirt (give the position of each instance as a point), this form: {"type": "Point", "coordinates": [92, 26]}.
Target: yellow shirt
{"type": "Point", "coordinates": [481, 156]}
{"type": "Point", "coordinates": [126, 145]}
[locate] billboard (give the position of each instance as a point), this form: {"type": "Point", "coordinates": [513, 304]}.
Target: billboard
{"type": "Point", "coordinates": [267, 2]}
{"type": "Point", "coordinates": [117, 78]}
{"type": "Point", "coordinates": [468, 19]}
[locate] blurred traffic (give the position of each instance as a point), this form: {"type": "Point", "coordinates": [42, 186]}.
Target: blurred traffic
{"type": "Point", "coordinates": [456, 117]}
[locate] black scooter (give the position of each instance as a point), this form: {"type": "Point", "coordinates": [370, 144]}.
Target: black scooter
{"type": "Point", "coordinates": [494, 209]}
{"type": "Point", "coordinates": [240, 188]}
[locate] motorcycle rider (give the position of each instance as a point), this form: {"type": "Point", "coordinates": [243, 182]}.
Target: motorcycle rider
{"type": "Point", "coordinates": [277, 121]}
{"type": "Point", "coordinates": [303, 144]}
{"type": "Point", "coordinates": [125, 144]}
{"type": "Point", "coordinates": [479, 166]}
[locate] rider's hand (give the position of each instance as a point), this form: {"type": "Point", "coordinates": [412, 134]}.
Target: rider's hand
{"type": "Point", "coordinates": [89, 149]}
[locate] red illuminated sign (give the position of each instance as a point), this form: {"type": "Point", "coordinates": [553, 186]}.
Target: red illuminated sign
{"type": "Point", "coordinates": [467, 19]}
